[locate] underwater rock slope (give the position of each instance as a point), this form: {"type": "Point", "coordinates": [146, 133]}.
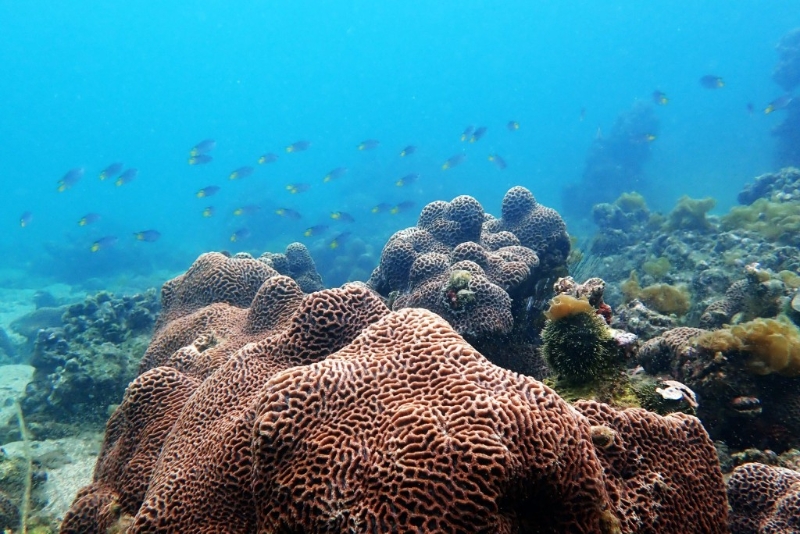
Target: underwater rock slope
{"type": "Point", "coordinates": [261, 409]}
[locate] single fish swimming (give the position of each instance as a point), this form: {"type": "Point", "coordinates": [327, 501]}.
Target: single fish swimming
{"type": "Point", "coordinates": [402, 207]}
{"type": "Point", "coordinates": [238, 235]}
{"type": "Point", "coordinates": [111, 171]}
{"type": "Point", "coordinates": [288, 213]}
{"type": "Point", "coordinates": [407, 151]}
{"type": "Point", "coordinates": [339, 240]}
{"type": "Point", "coordinates": [127, 177]}
{"type": "Point", "coordinates": [335, 174]}
{"type": "Point", "coordinates": [104, 243]}
{"type": "Point", "coordinates": [241, 172]}
{"type": "Point", "coordinates": [71, 178]}
{"type": "Point", "coordinates": [660, 98]}
{"type": "Point", "coordinates": [709, 81]}
{"type": "Point", "coordinates": [25, 219]}
{"type": "Point", "coordinates": [512, 126]}
{"type": "Point", "coordinates": [298, 188]}
{"type": "Point", "coordinates": [454, 161]}
{"type": "Point", "coordinates": [148, 236]}
{"type": "Point", "coordinates": [298, 146]}
{"type": "Point", "coordinates": [779, 103]}
{"type": "Point", "coordinates": [408, 179]}
{"type": "Point", "coordinates": [207, 191]}
{"type": "Point", "coordinates": [200, 159]}
{"type": "Point", "coordinates": [477, 134]}
{"type": "Point", "coordinates": [203, 147]}
{"type": "Point", "coordinates": [369, 144]}
{"type": "Point", "coordinates": [498, 161]}
{"type": "Point", "coordinates": [315, 230]}
{"type": "Point", "coordinates": [247, 209]}
{"type": "Point", "coordinates": [267, 158]}
{"type": "Point", "coordinates": [89, 218]}
{"type": "Point", "coordinates": [342, 216]}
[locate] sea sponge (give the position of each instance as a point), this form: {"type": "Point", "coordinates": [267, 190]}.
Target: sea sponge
{"type": "Point", "coordinates": [666, 299]}
{"type": "Point", "coordinates": [773, 345]}
{"type": "Point", "coordinates": [576, 342]}
{"type": "Point", "coordinates": [690, 214]}
{"type": "Point", "coordinates": [565, 305]}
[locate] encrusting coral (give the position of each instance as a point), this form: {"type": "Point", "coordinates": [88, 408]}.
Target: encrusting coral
{"type": "Point", "coordinates": [326, 412]}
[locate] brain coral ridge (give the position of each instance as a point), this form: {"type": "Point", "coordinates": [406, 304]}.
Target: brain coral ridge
{"type": "Point", "coordinates": [405, 429]}
{"type": "Point", "coordinates": [177, 448]}
{"type": "Point", "coordinates": [764, 499]}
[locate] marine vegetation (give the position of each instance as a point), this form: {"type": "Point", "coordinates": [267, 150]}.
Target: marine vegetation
{"type": "Point", "coordinates": [657, 268]}
{"type": "Point", "coordinates": [690, 214]}
{"type": "Point", "coordinates": [577, 343]}
{"type": "Point", "coordinates": [663, 298]}
{"type": "Point", "coordinates": [772, 345]}
{"type": "Point", "coordinates": [776, 221]}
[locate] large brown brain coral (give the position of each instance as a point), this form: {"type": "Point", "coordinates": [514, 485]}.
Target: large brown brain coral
{"type": "Point", "coordinates": [213, 278]}
{"type": "Point", "coordinates": [409, 429]}
{"type": "Point", "coordinates": [764, 500]}
{"type": "Point", "coordinates": [169, 421]}
{"type": "Point", "coordinates": [647, 463]}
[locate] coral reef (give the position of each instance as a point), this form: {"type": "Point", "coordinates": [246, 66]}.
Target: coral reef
{"type": "Point", "coordinates": [296, 263]}
{"type": "Point", "coordinates": [757, 295]}
{"type": "Point", "coordinates": [663, 298]}
{"type": "Point", "coordinates": [511, 263]}
{"type": "Point", "coordinates": [335, 406]}
{"type": "Point", "coordinates": [642, 466]}
{"type": "Point", "coordinates": [772, 346]}
{"type": "Point", "coordinates": [84, 365]}
{"type": "Point", "coordinates": [764, 499]}
{"type": "Point", "coordinates": [781, 186]}
{"type": "Point", "coordinates": [777, 222]}
{"type": "Point", "coordinates": [737, 405]}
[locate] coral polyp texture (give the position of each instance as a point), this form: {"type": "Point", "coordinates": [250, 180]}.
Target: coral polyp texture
{"type": "Point", "coordinates": [420, 266]}
{"type": "Point", "coordinates": [764, 499]}
{"type": "Point", "coordinates": [328, 413]}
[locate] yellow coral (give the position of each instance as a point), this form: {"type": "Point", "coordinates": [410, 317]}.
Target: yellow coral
{"type": "Point", "coordinates": [773, 345]}
{"type": "Point", "coordinates": [790, 279]}
{"type": "Point", "coordinates": [667, 299]}
{"type": "Point", "coordinates": [657, 268]}
{"type": "Point", "coordinates": [630, 202]}
{"type": "Point", "coordinates": [690, 214]}
{"type": "Point", "coordinates": [630, 288]}
{"type": "Point", "coordinates": [564, 306]}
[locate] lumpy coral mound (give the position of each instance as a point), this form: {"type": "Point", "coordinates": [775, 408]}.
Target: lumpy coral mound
{"type": "Point", "coordinates": [327, 413]}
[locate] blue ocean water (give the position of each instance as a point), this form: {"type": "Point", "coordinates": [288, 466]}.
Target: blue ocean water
{"type": "Point", "coordinates": [86, 84]}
